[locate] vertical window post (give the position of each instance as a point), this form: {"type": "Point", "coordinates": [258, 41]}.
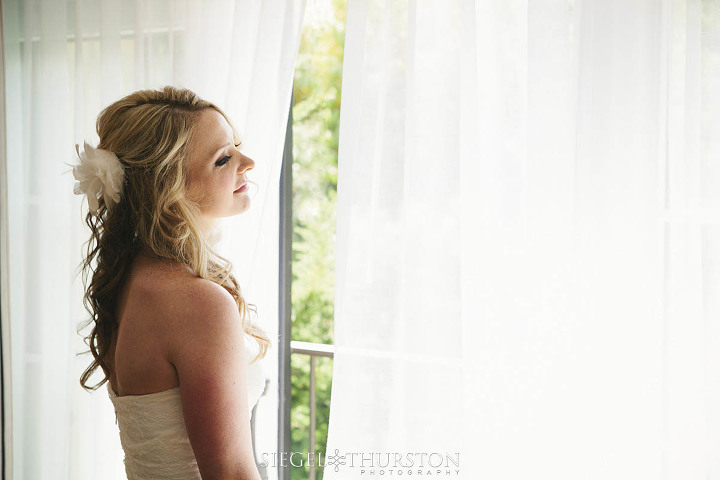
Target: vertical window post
{"type": "Point", "coordinates": [285, 279]}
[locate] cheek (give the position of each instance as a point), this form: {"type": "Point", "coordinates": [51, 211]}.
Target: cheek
{"type": "Point", "coordinates": [221, 188]}
{"type": "Point", "coordinates": [228, 182]}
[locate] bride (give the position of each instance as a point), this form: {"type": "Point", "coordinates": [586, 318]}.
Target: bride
{"type": "Point", "coordinates": [170, 330]}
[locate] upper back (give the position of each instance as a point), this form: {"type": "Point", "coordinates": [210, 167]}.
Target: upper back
{"type": "Point", "coordinates": [180, 330]}
{"type": "Point", "coordinates": [147, 304]}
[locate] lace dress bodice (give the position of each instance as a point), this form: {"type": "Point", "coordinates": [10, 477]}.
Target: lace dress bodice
{"type": "Point", "coordinates": [152, 428]}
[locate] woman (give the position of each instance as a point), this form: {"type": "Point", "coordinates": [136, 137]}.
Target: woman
{"type": "Point", "coordinates": [171, 329]}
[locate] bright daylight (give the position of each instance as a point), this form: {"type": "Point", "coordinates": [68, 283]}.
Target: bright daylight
{"type": "Point", "coordinates": [360, 239]}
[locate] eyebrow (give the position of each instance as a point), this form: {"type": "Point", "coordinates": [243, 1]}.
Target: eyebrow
{"type": "Point", "coordinates": [226, 145]}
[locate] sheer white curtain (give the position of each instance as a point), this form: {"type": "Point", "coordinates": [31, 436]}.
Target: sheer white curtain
{"type": "Point", "coordinates": [65, 61]}
{"type": "Point", "coordinates": [528, 240]}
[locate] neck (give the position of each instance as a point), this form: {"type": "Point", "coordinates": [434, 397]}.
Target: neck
{"type": "Point", "coordinates": [147, 253]}
{"type": "Point", "coordinates": [207, 227]}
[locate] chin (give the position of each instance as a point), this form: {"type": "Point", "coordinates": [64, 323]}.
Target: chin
{"type": "Point", "coordinates": [241, 209]}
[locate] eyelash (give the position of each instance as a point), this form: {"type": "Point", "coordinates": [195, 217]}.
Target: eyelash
{"type": "Point", "coordinates": [226, 158]}
{"type": "Point", "coordinates": [222, 161]}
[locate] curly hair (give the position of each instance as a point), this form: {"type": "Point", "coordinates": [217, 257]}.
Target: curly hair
{"type": "Point", "coordinates": [149, 131]}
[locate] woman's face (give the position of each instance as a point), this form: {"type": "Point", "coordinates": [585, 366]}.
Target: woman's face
{"type": "Point", "coordinates": [216, 168]}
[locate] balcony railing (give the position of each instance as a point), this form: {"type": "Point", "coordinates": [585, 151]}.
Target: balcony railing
{"type": "Point", "coordinates": [313, 350]}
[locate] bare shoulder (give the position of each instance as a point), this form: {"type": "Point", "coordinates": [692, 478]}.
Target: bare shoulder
{"type": "Point", "coordinates": [202, 316]}
{"type": "Point", "coordinates": [176, 294]}
{"type": "Point", "coordinates": [207, 348]}
{"type": "Point", "coordinates": [193, 300]}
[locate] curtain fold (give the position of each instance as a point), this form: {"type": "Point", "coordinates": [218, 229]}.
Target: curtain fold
{"type": "Point", "coordinates": [65, 61]}
{"type": "Point", "coordinates": [527, 240]}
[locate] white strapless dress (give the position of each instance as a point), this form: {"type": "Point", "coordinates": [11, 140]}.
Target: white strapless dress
{"type": "Point", "coordinates": [152, 428]}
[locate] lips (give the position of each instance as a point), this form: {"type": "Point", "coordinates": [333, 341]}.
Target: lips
{"type": "Point", "coordinates": [242, 188]}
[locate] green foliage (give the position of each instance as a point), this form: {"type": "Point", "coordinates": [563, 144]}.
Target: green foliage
{"type": "Point", "coordinates": [316, 116]}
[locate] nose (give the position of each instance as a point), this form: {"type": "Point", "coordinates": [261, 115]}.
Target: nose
{"type": "Point", "coordinates": [246, 163]}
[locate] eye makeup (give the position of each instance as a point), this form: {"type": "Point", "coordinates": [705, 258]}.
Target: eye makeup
{"type": "Point", "coordinates": [223, 161]}
{"type": "Point", "coordinates": [226, 158]}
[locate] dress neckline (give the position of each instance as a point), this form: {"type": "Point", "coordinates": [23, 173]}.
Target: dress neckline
{"type": "Point", "coordinates": [115, 395]}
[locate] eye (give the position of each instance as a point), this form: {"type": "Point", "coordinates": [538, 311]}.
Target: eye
{"type": "Point", "coordinates": [223, 161]}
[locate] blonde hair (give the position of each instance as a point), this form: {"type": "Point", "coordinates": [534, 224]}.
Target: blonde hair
{"type": "Point", "coordinates": [149, 131]}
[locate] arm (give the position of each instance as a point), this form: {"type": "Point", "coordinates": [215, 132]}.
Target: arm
{"type": "Point", "coordinates": [207, 349]}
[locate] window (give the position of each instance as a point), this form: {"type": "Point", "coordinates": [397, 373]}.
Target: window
{"type": "Point", "coordinates": [308, 190]}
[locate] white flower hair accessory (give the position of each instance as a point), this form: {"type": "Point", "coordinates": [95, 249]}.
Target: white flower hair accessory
{"type": "Point", "coordinates": [99, 174]}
